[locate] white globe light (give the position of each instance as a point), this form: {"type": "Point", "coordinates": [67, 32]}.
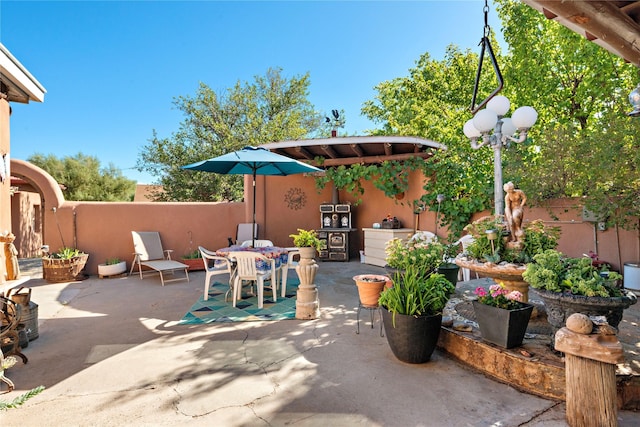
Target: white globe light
{"type": "Point", "coordinates": [500, 104]}
{"type": "Point", "coordinates": [470, 130]}
{"type": "Point", "coordinates": [524, 117]}
{"type": "Point", "coordinates": [485, 120]}
{"type": "Point", "coordinates": [508, 128]}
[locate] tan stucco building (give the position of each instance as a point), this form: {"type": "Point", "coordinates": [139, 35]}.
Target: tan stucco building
{"type": "Point", "coordinates": [16, 85]}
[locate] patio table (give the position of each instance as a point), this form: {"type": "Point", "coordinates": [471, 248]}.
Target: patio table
{"type": "Point", "coordinates": [280, 255]}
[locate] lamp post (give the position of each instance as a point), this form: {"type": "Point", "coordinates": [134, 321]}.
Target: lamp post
{"type": "Point", "coordinates": [504, 128]}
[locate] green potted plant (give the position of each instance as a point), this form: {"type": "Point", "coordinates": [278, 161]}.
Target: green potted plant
{"type": "Point", "coordinates": [490, 255]}
{"type": "Point", "coordinates": [448, 267]}
{"type": "Point", "coordinates": [425, 253]}
{"type": "Point", "coordinates": [412, 312]}
{"type": "Point", "coordinates": [307, 241]}
{"type": "Point", "coordinates": [64, 265]}
{"type": "Point", "coordinates": [501, 315]}
{"type": "Point", "coordinates": [194, 260]}
{"type": "Point", "coordinates": [112, 267]}
{"type": "Point", "coordinates": [574, 285]}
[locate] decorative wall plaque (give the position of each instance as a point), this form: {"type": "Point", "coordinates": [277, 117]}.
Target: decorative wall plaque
{"type": "Point", "coordinates": [295, 198]}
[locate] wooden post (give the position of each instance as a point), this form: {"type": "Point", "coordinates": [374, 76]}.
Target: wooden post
{"type": "Point", "coordinates": [590, 369]}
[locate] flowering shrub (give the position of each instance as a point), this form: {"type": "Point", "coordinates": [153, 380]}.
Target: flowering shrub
{"type": "Point", "coordinates": [499, 296]}
{"type": "Point", "coordinates": [423, 254]}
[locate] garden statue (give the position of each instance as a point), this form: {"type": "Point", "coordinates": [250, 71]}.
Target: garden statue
{"type": "Point", "coordinates": [514, 213]}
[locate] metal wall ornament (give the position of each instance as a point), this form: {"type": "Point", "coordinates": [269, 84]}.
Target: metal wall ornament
{"type": "Point", "coordinates": [295, 198]}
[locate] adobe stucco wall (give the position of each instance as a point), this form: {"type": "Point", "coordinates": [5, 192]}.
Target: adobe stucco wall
{"type": "Point", "coordinates": [103, 229]}
{"type": "Point", "coordinates": [283, 204]}
{"type": "Point", "coordinates": [5, 205]}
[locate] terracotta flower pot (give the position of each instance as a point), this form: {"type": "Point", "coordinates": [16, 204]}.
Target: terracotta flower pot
{"type": "Point", "coordinates": [369, 288]}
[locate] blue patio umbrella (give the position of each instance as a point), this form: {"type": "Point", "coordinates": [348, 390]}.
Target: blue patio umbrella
{"type": "Point", "coordinates": [253, 161]}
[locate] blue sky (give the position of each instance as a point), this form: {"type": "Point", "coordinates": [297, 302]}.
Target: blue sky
{"type": "Point", "coordinates": [112, 68]}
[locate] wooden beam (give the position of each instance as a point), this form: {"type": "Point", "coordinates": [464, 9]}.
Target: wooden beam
{"type": "Point", "coordinates": [388, 150]}
{"type": "Point", "coordinates": [374, 159]}
{"type": "Point", "coordinates": [330, 151]}
{"type": "Point", "coordinates": [304, 153]}
{"type": "Point", "coordinates": [356, 149]}
{"type": "Point", "coordinates": [604, 22]}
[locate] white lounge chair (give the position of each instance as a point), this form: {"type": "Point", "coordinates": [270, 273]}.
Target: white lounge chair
{"type": "Point", "coordinates": [148, 252]}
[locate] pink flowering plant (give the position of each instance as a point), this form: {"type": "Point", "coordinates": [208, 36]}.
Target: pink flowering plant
{"type": "Point", "coordinates": [499, 296]}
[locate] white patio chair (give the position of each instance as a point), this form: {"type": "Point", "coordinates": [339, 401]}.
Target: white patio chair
{"type": "Point", "coordinates": [215, 265]}
{"type": "Point", "coordinates": [257, 243]}
{"type": "Point", "coordinates": [247, 270]}
{"type": "Point", "coordinates": [424, 236]}
{"type": "Point", "coordinates": [465, 241]}
{"type": "Point", "coordinates": [149, 253]}
{"type": "Point", "coordinates": [293, 258]}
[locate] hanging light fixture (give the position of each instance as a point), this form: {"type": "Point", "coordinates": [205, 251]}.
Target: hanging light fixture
{"type": "Point", "coordinates": [489, 126]}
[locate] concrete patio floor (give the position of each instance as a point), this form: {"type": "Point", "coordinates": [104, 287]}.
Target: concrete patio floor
{"type": "Point", "coordinates": [110, 352]}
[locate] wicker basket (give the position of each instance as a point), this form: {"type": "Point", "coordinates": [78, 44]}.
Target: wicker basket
{"type": "Point", "coordinates": [63, 270]}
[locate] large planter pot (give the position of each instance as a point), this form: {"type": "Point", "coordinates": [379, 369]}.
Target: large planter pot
{"type": "Point", "coordinates": [369, 288]}
{"type": "Point", "coordinates": [450, 271]}
{"type": "Point", "coordinates": [508, 274]}
{"type": "Point", "coordinates": [108, 270]}
{"type": "Point", "coordinates": [561, 305]}
{"type": "Point", "coordinates": [502, 327]}
{"type": "Point", "coordinates": [413, 338]}
{"type": "Point", "coordinates": [195, 264]}
{"type": "Point", "coordinates": [63, 270]}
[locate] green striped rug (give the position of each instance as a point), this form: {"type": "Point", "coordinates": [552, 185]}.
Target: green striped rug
{"type": "Point", "coordinates": [215, 309]}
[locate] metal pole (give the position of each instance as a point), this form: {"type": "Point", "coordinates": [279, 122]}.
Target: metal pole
{"type": "Point", "coordinates": [498, 192]}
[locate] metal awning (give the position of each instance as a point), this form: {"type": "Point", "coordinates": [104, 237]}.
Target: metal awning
{"type": "Point", "coordinates": [356, 149]}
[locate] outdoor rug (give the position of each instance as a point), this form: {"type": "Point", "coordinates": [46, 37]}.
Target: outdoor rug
{"type": "Point", "coordinates": [215, 309]}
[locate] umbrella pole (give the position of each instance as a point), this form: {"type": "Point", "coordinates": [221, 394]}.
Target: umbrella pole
{"type": "Point", "coordinates": [253, 230]}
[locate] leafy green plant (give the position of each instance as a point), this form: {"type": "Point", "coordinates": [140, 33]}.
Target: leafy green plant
{"type": "Point", "coordinates": [66, 253]}
{"type": "Point", "coordinates": [389, 176]}
{"type": "Point", "coordinates": [537, 238]}
{"type": "Point", "coordinates": [306, 238]}
{"type": "Point", "coordinates": [113, 261]}
{"type": "Point", "coordinates": [554, 272]}
{"type": "Point", "coordinates": [18, 401]}
{"type": "Point", "coordinates": [423, 254]}
{"type": "Point", "coordinates": [195, 254]}
{"type": "Point", "coordinates": [415, 294]}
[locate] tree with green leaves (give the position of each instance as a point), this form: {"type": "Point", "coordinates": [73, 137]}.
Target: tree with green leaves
{"type": "Point", "coordinates": [84, 179]}
{"type": "Point", "coordinates": [433, 102]}
{"type": "Point", "coordinates": [584, 144]}
{"type": "Point", "coordinates": [269, 109]}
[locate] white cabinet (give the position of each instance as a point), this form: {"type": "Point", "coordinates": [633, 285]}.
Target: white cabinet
{"type": "Point", "coordinates": [375, 240]}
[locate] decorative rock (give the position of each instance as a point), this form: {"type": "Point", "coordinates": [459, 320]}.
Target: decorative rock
{"type": "Point", "coordinates": [447, 321]}
{"type": "Point", "coordinates": [605, 329]}
{"type": "Point", "coordinates": [599, 320]}
{"type": "Point", "coordinates": [580, 323]}
{"type": "Point", "coordinates": [462, 327]}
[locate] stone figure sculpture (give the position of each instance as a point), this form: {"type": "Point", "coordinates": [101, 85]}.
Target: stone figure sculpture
{"type": "Point", "coordinates": [514, 212]}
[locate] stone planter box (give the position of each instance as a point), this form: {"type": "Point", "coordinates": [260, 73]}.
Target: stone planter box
{"type": "Point", "coordinates": [108, 270]}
